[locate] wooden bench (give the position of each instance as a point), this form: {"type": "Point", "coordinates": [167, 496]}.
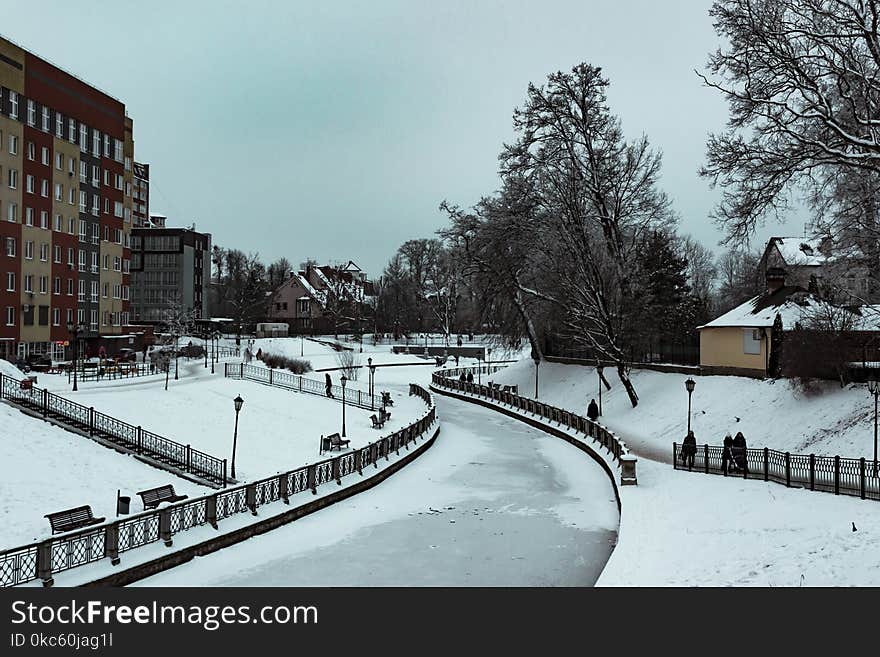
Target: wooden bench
{"type": "Point", "coordinates": [514, 389]}
{"type": "Point", "coordinates": [377, 423]}
{"type": "Point", "coordinates": [153, 497]}
{"type": "Point", "coordinates": [64, 521]}
{"type": "Point", "coordinates": [336, 441]}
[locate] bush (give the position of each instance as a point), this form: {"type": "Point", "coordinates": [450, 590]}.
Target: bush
{"type": "Point", "coordinates": [349, 362]}
{"type": "Point", "coordinates": [295, 365]}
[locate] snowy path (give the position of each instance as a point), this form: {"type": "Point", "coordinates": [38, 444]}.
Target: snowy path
{"type": "Point", "coordinates": [493, 503]}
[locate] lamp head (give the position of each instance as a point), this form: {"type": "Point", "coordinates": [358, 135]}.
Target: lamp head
{"type": "Point", "coordinates": [873, 384]}
{"type": "Point", "coordinates": [369, 362]}
{"type": "Point", "coordinates": [343, 379]}
{"type": "Point", "coordinates": [690, 384]}
{"type": "Point", "coordinates": [238, 401]}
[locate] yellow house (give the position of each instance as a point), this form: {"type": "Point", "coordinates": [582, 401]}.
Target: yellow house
{"type": "Point", "coordinates": [738, 342]}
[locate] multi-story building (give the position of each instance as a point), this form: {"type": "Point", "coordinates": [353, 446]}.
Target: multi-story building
{"type": "Point", "coordinates": [170, 270]}
{"type": "Point", "coordinates": [140, 210]}
{"type": "Point", "coordinates": [66, 154]}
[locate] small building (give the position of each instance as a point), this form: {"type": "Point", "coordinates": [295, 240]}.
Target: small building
{"type": "Point", "coordinates": [272, 330]}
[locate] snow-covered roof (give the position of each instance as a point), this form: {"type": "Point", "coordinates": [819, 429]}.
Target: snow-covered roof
{"type": "Point", "coordinates": [800, 250]}
{"type": "Point", "coordinates": [793, 305]}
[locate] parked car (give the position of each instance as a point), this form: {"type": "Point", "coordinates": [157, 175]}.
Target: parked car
{"type": "Point", "coordinates": [126, 354]}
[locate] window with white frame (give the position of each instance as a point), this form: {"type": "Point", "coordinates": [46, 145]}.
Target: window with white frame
{"type": "Point", "coordinates": [45, 119]}
{"type": "Point", "coordinates": [13, 144]}
{"type": "Point", "coordinates": [56, 253]}
{"type": "Point", "coordinates": [44, 252]}
{"type": "Point", "coordinates": [96, 205]}
{"type": "Point", "coordinates": [59, 125]}
{"type": "Point", "coordinates": [59, 192]}
{"type": "Point", "coordinates": [71, 195]}
{"type": "Point", "coordinates": [94, 294]}
{"type": "Point", "coordinates": [81, 265]}
{"type": "Point", "coordinates": [13, 104]}
{"type": "Point", "coordinates": [81, 292]}
{"type": "Point", "coordinates": [12, 212]}
{"type": "Point", "coordinates": [31, 113]}
{"type": "Point", "coordinates": [71, 256]}
{"type": "Point", "coordinates": [29, 283]}
{"type": "Point", "coordinates": [83, 200]}
{"type": "Point", "coordinates": [117, 209]}
{"type": "Point", "coordinates": [105, 289]}
{"type": "Point", "coordinates": [10, 247]}
{"type": "Point", "coordinates": [44, 219]}
{"type": "Point", "coordinates": [752, 341]}
{"type": "Point", "coordinates": [44, 285]}
{"type": "Point", "coordinates": [71, 225]}
{"type": "Point", "coordinates": [59, 161]}
{"type": "Point", "coordinates": [83, 172]}
{"type": "Point", "coordinates": [71, 131]}
{"type": "Point", "coordinates": [10, 315]}
{"type": "Point", "coordinates": [94, 323]}
{"type": "Point", "coordinates": [56, 317]}
{"type": "Point", "coordinates": [44, 153]}
{"type": "Point", "coordinates": [70, 287]}
{"type": "Point", "coordinates": [83, 138]}
{"type": "Point", "coordinates": [31, 151]}
{"type": "Point", "coordinates": [28, 216]}
{"type": "Point", "coordinates": [82, 230]}
{"type": "Point", "coordinates": [13, 178]}
{"type": "Point", "coordinates": [10, 281]}
{"type": "Point", "coordinates": [56, 285]}
{"type": "Point", "coordinates": [29, 184]}
{"type": "Point", "coordinates": [44, 188]}
{"type": "Point", "coordinates": [106, 145]}
{"type": "Point", "coordinates": [96, 143]}
{"type": "Point", "coordinates": [29, 250]}
{"type": "Point", "coordinates": [117, 263]}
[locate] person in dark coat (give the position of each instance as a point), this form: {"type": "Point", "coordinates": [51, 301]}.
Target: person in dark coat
{"type": "Point", "coordinates": [328, 383]}
{"type": "Point", "coordinates": [739, 453]}
{"type": "Point", "coordinates": [592, 410]}
{"type": "Point", "coordinates": [726, 454]}
{"type": "Point", "coordinates": [462, 378]}
{"type": "Point", "coordinates": [470, 377]}
{"type": "Point", "coordinates": [689, 449]}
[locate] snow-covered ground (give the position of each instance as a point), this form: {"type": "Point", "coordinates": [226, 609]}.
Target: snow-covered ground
{"type": "Point", "coordinates": [47, 469]}
{"type": "Point", "coordinates": [838, 421]}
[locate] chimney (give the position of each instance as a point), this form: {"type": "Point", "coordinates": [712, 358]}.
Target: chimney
{"type": "Point", "coordinates": [775, 279]}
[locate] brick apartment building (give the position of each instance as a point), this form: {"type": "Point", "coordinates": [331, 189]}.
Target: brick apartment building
{"type": "Point", "coordinates": [66, 179]}
{"type": "Point", "coordinates": [140, 209]}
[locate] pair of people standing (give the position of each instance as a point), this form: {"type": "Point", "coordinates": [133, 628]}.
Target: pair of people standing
{"type": "Point", "coordinates": [734, 454]}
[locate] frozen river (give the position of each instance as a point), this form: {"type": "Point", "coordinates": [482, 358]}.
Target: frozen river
{"type": "Point", "coordinates": [493, 503]}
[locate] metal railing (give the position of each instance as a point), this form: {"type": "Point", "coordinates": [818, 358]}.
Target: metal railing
{"type": "Point", "coordinates": [56, 554]}
{"type": "Point", "coordinates": [830, 474]}
{"type": "Point", "coordinates": [134, 438]}
{"type": "Point", "coordinates": [299, 383]}
{"type": "Point", "coordinates": [602, 435]}
{"type": "Point", "coordinates": [111, 371]}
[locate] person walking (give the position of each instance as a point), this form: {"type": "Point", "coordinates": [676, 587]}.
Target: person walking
{"type": "Point", "coordinates": [462, 378]}
{"type": "Point", "coordinates": [328, 383]}
{"type": "Point", "coordinates": [470, 377]}
{"type": "Point", "coordinates": [726, 454]}
{"type": "Point", "coordinates": [740, 453]}
{"type": "Point", "coordinates": [689, 449]}
{"type": "Point", "coordinates": [592, 410]}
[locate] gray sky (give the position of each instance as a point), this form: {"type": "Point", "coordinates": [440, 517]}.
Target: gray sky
{"type": "Point", "coordinates": [334, 130]}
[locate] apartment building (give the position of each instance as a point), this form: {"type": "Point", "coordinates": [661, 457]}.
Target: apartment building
{"type": "Point", "coordinates": [66, 159]}
{"type": "Point", "coordinates": [140, 211]}
{"type": "Point", "coordinates": [170, 269]}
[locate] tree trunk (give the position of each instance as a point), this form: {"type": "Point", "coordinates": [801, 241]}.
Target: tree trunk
{"type": "Point", "coordinates": [627, 384]}
{"type": "Point", "coordinates": [604, 381]}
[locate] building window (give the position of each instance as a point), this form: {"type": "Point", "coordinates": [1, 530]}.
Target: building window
{"type": "Point", "coordinates": [59, 192]}
{"type": "Point", "coordinates": [56, 285]}
{"type": "Point", "coordinates": [70, 287]}
{"type": "Point", "coordinates": [29, 250]}
{"type": "Point", "coordinates": [59, 161]}
{"type": "Point", "coordinates": [45, 119]}
{"type": "Point", "coordinates": [10, 281]}
{"type": "Point", "coordinates": [83, 138]}
{"type": "Point", "coordinates": [29, 283]}
{"type": "Point", "coordinates": [96, 143]}
{"type": "Point", "coordinates": [70, 256]}
{"type": "Point", "coordinates": [45, 156]}
{"type": "Point", "coordinates": [44, 188]}
{"type": "Point", "coordinates": [44, 252]}
{"type": "Point", "coordinates": [59, 125]}
{"type": "Point", "coordinates": [11, 212]}
{"type": "Point", "coordinates": [28, 184]}
{"type": "Point", "coordinates": [752, 341]}
{"type": "Point", "coordinates": [28, 216]}
{"type": "Point", "coordinates": [44, 284]}
{"type": "Point", "coordinates": [44, 220]}
{"type": "Point", "coordinates": [10, 247]}
{"type": "Point", "coordinates": [31, 151]}
{"type": "Point", "coordinates": [56, 317]}
{"type": "Point", "coordinates": [56, 254]}
{"type": "Point", "coordinates": [81, 294]}
{"type": "Point", "coordinates": [13, 102]}
{"type": "Point", "coordinates": [13, 179]}
{"type": "Point", "coordinates": [83, 172]}
{"type": "Point", "coordinates": [83, 200]}
{"type": "Point", "coordinates": [31, 113]}
{"type": "Point", "coordinates": [10, 316]}
{"type": "Point", "coordinates": [71, 131]}
{"type": "Point", "coordinates": [59, 223]}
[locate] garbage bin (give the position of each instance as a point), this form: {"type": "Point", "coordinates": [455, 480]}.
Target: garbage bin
{"type": "Point", "coordinates": [123, 505]}
{"type": "Point", "coordinates": [325, 444]}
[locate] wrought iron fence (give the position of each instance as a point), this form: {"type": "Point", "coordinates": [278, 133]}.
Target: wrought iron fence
{"type": "Point", "coordinates": [111, 371]}
{"type": "Point", "coordinates": [448, 378]}
{"type": "Point", "coordinates": [134, 438]}
{"type": "Point", "coordinates": [299, 383]}
{"type": "Point", "coordinates": [830, 474]}
{"type": "Point", "coordinates": [39, 561]}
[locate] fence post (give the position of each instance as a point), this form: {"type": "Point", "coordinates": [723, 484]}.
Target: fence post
{"type": "Point", "coordinates": [357, 462]}
{"type": "Point", "coordinates": [241, 370]}
{"type": "Point", "coordinates": [812, 472]}
{"type": "Point", "coordinates": [91, 420]}
{"type": "Point", "coordinates": [788, 470]}
{"type": "Point", "coordinates": [336, 470]}
{"type": "Point", "coordinates": [386, 446]}
{"type": "Point", "coordinates": [211, 510]}
{"type": "Point", "coordinates": [165, 526]}
{"type": "Point", "coordinates": [44, 562]}
{"type": "Point", "coordinates": [374, 453]}
{"type": "Point", "coordinates": [111, 543]}
{"type": "Point", "coordinates": [224, 473]}
{"type": "Point", "coordinates": [862, 477]}
{"type": "Point", "coordinates": [45, 402]}
{"type": "Point", "coordinates": [140, 440]}
{"type": "Point", "coordinates": [312, 479]}
{"type": "Point", "coordinates": [766, 463]}
{"type": "Point", "coordinates": [188, 458]}
{"type": "Point", "coordinates": [270, 375]}
{"type": "Point", "coordinates": [250, 498]}
{"type": "Point", "coordinates": [837, 475]}
{"type": "Point", "coordinates": [706, 456]}
{"type": "Point", "coordinates": [300, 384]}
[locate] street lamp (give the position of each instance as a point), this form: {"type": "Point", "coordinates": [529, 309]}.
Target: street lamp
{"type": "Point", "coordinates": [213, 351]}
{"type": "Point", "coordinates": [489, 361]}
{"type": "Point", "coordinates": [690, 384]}
{"type": "Point", "coordinates": [238, 401]}
{"type": "Point", "coordinates": [370, 371]}
{"type": "Point", "coordinates": [343, 379]}
{"type": "Point", "coordinates": [874, 389]}
{"type": "Point", "coordinates": [206, 348]}
{"type": "Point", "coordinates": [599, 369]}
{"type": "Point", "coordinates": [301, 340]}
{"type": "Point", "coordinates": [537, 362]}
{"type": "Point", "coordinates": [74, 330]}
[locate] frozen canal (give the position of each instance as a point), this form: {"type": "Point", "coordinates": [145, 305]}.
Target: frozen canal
{"type": "Point", "coordinates": [492, 503]}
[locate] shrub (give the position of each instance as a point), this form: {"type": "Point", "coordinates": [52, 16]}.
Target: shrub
{"type": "Point", "coordinates": [295, 365]}
{"type": "Point", "coordinates": [350, 362]}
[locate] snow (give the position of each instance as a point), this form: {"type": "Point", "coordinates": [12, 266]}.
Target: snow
{"type": "Point", "coordinates": [684, 529]}
{"type": "Point", "coordinates": [48, 469]}
{"type": "Point", "coordinates": [800, 250]}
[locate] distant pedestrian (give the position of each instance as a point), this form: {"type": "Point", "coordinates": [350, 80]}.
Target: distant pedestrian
{"type": "Point", "coordinates": [328, 383]}
{"type": "Point", "coordinates": [456, 360]}
{"type": "Point", "coordinates": [470, 377]}
{"type": "Point", "coordinates": [689, 449]}
{"type": "Point", "coordinates": [462, 378]}
{"type": "Point", "coordinates": [592, 410]}
{"type": "Point", "coordinates": [739, 451]}
{"type": "Point", "coordinates": [459, 340]}
{"type": "Point", "coordinates": [247, 355]}
{"type": "Point", "coordinates": [726, 454]}
{"type": "Point", "coordinates": [260, 356]}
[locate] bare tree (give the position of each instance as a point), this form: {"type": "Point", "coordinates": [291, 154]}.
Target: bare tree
{"type": "Point", "coordinates": [802, 80]}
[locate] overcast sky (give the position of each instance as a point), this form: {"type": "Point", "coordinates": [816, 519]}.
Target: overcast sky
{"type": "Point", "coordinates": [334, 130]}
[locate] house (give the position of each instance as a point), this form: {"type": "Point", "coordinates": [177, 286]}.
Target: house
{"type": "Point", "coordinates": [739, 341]}
{"type": "Point", "coordinates": [811, 261]}
{"type": "Point", "coordinates": [323, 299]}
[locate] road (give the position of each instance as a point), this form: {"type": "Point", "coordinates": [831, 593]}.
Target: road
{"type": "Point", "coordinates": [493, 503]}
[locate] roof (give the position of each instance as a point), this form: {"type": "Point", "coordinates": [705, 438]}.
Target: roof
{"type": "Point", "coordinates": [793, 305]}
{"type": "Point", "coordinates": [804, 251]}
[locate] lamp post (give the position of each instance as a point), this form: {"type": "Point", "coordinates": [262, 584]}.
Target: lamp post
{"type": "Point", "coordinates": [874, 388]}
{"type": "Point", "coordinates": [537, 362]}
{"type": "Point", "coordinates": [479, 369]}
{"type": "Point", "coordinates": [301, 340]}
{"type": "Point", "coordinates": [176, 351]}
{"type": "Point", "coordinates": [690, 384]}
{"type": "Point", "coordinates": [74, 330]}
{"type": "Point", "coordinates": [370, 381]}
{"type": "Point", "coordinates": [238, 401]}
{"type": "Point", "coordinates": [206, 348]}
{"type": "Point", "coordinates": [599, 370]}
{"type": "Point", "coordinates": [213, 351]}
{"type": "Point", "coordinates": [489, 361]}
{"type": "Point", "coordinates": [343, 379]}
